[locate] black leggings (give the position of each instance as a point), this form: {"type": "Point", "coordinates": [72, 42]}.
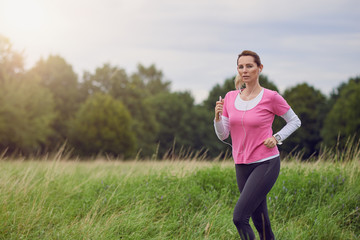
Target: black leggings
{"type": "Point", "coordinates": [254, 182]}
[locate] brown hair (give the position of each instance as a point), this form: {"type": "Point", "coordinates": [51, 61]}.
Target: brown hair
{"type": "Point", "coordinates": [250, 53]}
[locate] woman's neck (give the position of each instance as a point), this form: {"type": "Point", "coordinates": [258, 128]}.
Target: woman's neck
{"type": "Point", "coordinates": [251, 91]}
{"type": "Point", "coordinates": [253, 85]}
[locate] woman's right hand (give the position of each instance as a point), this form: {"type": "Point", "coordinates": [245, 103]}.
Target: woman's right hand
{"type": "Point", "coordinates": [219, 109]}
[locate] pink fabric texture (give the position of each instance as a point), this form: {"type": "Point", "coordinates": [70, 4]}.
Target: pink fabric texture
{"type": "Point", "coordinates": [249, 129]}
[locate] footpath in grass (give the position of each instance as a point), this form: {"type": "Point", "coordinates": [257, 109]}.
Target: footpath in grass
{"type": "Point", "coordinates": [170, 200]}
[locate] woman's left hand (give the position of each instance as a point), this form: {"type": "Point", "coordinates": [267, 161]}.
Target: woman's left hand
{"type": "Point", "coordinates": [270, 142]}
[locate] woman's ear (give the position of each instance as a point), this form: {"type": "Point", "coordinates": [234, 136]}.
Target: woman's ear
{"type": "Point", "coordinates": [260, 68]}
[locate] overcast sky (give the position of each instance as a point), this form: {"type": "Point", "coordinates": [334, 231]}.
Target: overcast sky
{"type": "Point", "coordinates": [194, 42]}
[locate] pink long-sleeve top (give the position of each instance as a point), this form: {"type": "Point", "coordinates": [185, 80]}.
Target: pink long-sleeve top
{"type": "Point", "coordinates": [250, 123]}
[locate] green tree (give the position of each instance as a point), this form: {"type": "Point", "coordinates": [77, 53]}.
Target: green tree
{"type": "Point", "coordinates": [103, 125]}
{"type": "Point", "coordinates": [106, 79]}
{"type": "Point", "coordinates": [151, 79]}
{"type": "Point", "coordinates": [132, 91]}
{"type": "Point", "coordinates": [173, 113]}
{"type": "Point", "coordinates": [203, 134]}
{"type": "Point", "coordinates": [11, 61]}
{"type": "Point", "coordinates": [308, 103]}
{"type": "Point", "coordinates": [147, 81]}
{"type": "Point", "coordinates": [26, 113]}
{"type": "Point", "coordinates": [26, 108]}
{"type": "Point", "coordinates": [58, 76]}
{"type": "Point", "coordinates": [218, 90]}
{"type": "Point", "coordinates": [343, 119]}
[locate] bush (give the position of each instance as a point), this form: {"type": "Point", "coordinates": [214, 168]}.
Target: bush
{"type": "Point", "coordinates": [103, 126]}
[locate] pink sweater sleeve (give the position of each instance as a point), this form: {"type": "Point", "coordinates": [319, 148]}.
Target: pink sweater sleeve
{"type": "Point", "coordinates": [279, 104]}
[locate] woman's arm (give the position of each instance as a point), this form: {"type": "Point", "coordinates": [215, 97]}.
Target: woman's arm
{"type": "Point", "coordinates": [292, 123]}
{"type": "Point", "coordinates": [222, 128]}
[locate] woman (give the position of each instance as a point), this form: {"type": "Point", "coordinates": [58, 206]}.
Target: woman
{"type": "Point", "coordinates": [247, 114]}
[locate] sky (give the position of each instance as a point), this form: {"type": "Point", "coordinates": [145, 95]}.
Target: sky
{"type": "Point", "coordinates": [194, 43]}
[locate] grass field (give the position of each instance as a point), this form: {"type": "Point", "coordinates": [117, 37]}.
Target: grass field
{"type": "Point", "coordinates": [57, 199]}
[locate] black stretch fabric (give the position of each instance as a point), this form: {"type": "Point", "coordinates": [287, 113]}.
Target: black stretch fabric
{"type": "Point", "coordinates": [255, 182]}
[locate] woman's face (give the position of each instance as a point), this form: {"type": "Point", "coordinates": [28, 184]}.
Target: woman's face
{"type": "Point", "coordinates": [248, 69]}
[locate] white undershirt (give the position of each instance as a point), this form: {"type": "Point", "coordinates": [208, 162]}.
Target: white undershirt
{"type": "Point", "coordinates": [243, 105]}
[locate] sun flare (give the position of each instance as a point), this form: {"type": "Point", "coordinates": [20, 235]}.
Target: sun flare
{"type": "Point", "coordinates": [23, 16]}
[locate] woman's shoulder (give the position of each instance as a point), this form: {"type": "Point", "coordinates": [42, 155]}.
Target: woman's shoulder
{"type": "Point", "coordinates": [232, 93]}
{"type": "Point", "coordinates": [270, 93]}
{"type": "Point", "coordinates": [274, 97]}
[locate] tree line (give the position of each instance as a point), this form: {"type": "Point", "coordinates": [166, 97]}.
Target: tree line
{"type": "Point", "coordinates": [111, 112]}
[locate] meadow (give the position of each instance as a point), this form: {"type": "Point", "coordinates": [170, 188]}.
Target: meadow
{"type": "Point", "coordinates": [55, 198]}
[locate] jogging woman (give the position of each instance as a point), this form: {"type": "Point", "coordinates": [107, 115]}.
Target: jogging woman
{"type": "Point", "coordinates": [247, 115]}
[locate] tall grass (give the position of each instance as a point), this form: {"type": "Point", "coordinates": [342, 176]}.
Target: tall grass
{"type": "Point", "coordinates": [57, 199]}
